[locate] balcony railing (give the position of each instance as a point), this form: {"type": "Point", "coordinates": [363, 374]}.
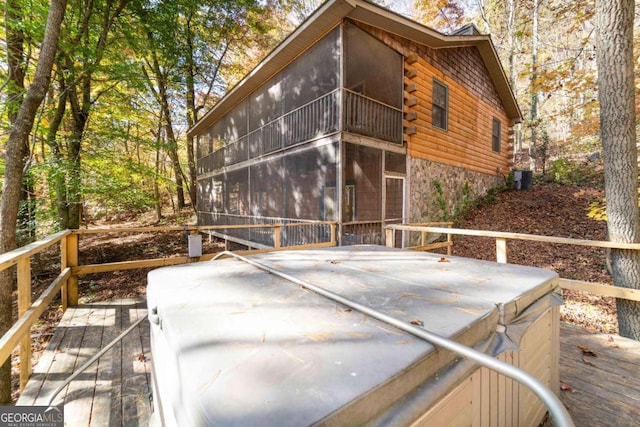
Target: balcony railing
{"type": "Point", "coordinates": [316, 118]}
{"type": "Point", "coordinates": [361, 115]}
{"type": "Point", "coordinates": [362, 233]}
{"type": "Point", "coordinates": [368, 117]}
{"type": "Point", "coordinates": [257, 231]}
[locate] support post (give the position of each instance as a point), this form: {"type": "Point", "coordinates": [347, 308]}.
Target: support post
{"type": "Point", "coordinates": [333, 234]}
{"type": "Point", "coordinates": [277, 233]}
{"type": "Point", "coordinates": [24, 303]}
{"type": "Point", "coordinates": [389, 240]}
{"type": "Point", "coordinates": [64, 264]}
{"type": "Point", "coordinates": [501, 250]}
{"type": "Point", "coordinates": [72, 261]}
{"type": "Point", "coordinates": [449, 241]}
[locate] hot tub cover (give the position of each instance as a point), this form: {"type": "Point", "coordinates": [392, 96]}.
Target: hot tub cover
{"type": "Point", "coordinates": [235, 345]}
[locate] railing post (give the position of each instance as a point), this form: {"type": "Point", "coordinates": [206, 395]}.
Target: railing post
{"type": "Point", "coordinates": [277, 233]}
{"type": "Point", "coordinates": [423, 238]}
{"type": "Point", "coordinates": [24, 303]}
{"type": "Point", "coordinates": [501, 250]}
{"type": "Point", "coordinates": [450, 241]}
{"type": "Point", "coordinates": [72, 261]}
{"type": "Point", "coordinates": [333, 233]}
{"type": "Point", "coordinates": [389, 240]}
{"type": "Point", "coordinates": [64, 264]}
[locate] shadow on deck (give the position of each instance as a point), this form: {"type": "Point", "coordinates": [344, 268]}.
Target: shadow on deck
{"type": "Point", "coordinates": [600, 390]}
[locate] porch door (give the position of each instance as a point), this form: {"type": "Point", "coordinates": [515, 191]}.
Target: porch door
{"type": "Point", "coordinates": [394, 205]}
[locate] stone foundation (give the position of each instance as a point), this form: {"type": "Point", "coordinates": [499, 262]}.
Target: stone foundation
{"type": "Point", "coordinates": [424, 206]}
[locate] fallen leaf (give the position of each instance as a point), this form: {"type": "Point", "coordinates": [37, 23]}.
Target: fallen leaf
{"type": "Point", "coordinates": [333, 261]}
{"type": "Point", "coordinates": [586, 351]}
{"type": "Point", "coordinates": [417, 322]}
{"type": "Point", "coordinates": [141, 357]}
{"type": "Point", "coordinates": [566, 387]}
{"type": "Point", "coordinates": [443, 259]}
{"type": "Point", "coordinates": [358, 335]}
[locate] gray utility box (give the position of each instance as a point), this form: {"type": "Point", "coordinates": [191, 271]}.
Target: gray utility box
{"type": "Point", "coordinates": [233, 345]}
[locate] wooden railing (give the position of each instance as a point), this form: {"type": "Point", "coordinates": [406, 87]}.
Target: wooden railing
{"type": "Point", "coordinates": [501, 253]}
{"type": "Point", "coordinates": [67, 281]}
{"type": "Point", "coordinates": [28, 312]}
{"type": "Point", "coordinates": [19, 335]}
{"type": "Point", "coordinates": [424, 244]}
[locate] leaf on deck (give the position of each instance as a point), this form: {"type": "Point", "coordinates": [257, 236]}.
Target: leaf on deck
{"type": "Point", "coordinates": [586, 351]}
{"type": "Point", "coordinates": [567, 387]}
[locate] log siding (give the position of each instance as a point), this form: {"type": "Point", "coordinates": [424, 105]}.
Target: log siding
{"type": "Point", "coordinates": [473, 104]}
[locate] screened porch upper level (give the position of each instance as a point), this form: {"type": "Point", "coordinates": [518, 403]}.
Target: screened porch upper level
{"type": "Point", "coordinates": [347, 81]}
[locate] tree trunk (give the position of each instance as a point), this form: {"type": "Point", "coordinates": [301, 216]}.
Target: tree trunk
{"type": "Point", "coordinates": [58, 172]}
{"type": "Point", "coordinates": [89, 44]}
{"type": "Point", "coordinates": [172, 151]}
{"type": "Point", "coordinates": [191, 116]}
{"type": "Point", "coordinates": [156, 176]}
{"type": "Point", "coordinates": [74, 184]}
{"type": "Point", "coordinates": [533, 117]}
{"type": "Point", "coordinates": [618, 134]}
{"type": "Point", "coordinates": [511, 29]}
{"type": "Point", "coordinates": [171, 143]}
{"type": "Point", "coordinates": [15, 59]}
{"type": "Point", "coordinates": [15, 94]}
{"type": "Point", "coordinates": [15, 157]}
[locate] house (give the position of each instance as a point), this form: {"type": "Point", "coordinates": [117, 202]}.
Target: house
{"type": "Point", "coordinates": [351, 119]}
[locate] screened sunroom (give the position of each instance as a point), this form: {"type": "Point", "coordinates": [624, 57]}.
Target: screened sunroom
{"type": "Point", "coordinates": [321, 140]}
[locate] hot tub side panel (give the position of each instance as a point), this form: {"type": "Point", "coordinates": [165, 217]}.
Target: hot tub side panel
{"type": "Point", "coordinates": [486, 398]}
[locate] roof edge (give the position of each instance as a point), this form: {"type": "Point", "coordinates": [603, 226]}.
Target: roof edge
{"type": "Point", "coordinates": [335, 10]}
{"type": "Point", "coordinates": [325, 18]}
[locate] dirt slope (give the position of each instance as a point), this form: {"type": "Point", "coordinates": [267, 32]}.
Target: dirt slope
{"type": "Point", "coordinates": [551, 210]}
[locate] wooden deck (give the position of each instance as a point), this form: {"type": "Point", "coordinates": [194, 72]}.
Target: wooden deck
{"type": "Point", "coordinates": [598, 391]}
{"type": "Point", "coordinates": [113, 391]}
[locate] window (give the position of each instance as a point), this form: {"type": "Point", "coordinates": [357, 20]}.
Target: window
{"type": "Point", "coordinates": [440, 107]}
{"type": "Point", "coordinates": [495, 135]}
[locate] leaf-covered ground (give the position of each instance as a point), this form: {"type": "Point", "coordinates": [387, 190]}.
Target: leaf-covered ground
{"type": "Point", "coordinates": [550, 210]}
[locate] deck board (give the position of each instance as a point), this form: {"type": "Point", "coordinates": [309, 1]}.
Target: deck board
{"type": "Point", "coordinates": [114, 391]}
{"type": "Point", "coordinates": [104, 395]}
{"type": "Point", "coordinates": [604, 390]}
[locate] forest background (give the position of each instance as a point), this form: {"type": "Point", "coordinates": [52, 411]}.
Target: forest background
{"type": "Point", "coordinates": [131, 76]}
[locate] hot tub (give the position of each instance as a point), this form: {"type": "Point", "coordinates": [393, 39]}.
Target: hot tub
{"type": "Point", "coordinates": [235, 345]}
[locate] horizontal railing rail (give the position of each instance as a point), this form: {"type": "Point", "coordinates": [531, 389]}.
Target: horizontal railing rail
{"type": "Point", "coordinates": [501, 239]}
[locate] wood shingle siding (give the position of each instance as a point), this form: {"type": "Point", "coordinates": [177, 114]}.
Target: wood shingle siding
{"type": "Point", "coordinates": [473, 103]}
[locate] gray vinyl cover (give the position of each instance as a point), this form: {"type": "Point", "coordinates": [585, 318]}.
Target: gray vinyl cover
{"type": "Point", "coordinates": [235, 345]}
